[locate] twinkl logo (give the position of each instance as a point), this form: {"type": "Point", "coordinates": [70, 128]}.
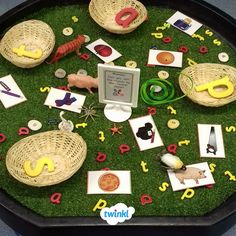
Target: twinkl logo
{"type": "Point", "coordinates": [117, 214]}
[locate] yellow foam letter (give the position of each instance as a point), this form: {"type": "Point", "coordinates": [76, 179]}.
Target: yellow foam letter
{"type": "Point", "coordinates": [100, 204]}
{"type": "Point", "coordinates": [216, 83]}
{"type": "Point", "coordinates": [39, 166]}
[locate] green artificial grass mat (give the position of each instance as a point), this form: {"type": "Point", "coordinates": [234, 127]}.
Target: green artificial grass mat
{"type": "Point", "coordinates": [132, 46]}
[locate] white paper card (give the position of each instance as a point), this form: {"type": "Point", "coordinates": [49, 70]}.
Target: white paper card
{"type": "Point", "coordinates": [145, 132]}
{"type": "Point", "coordinates": [184, 23]}
{"type": "Point", "coordinates": [10, 93]}
{"type": "Point", "coordinates": [165, 58]}
{"type": "Point", "coordinates": [109, 182]}
{"type": "Point", "coordinates": [103, 50]}
{"type": "Point", "coordinates": [211, 142]}
{"type": "Point", "coordinates": [195, 175]}
{"type": "Point", "coordinates": [74, 104]}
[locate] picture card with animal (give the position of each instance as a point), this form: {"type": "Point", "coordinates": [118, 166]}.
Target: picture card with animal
{"type": "Point", "coordinates": [65, 100]}
{"type": "Point", "coordinates": [145, 132]}
{"type": "Point", "coordinates": [103, 50]}
{"type": "Point", "coordinates": [165, 58]}
{"type": "Point", "coordinates": [211, 142]}
{"type": "Point", "coordinates": [184, 23]}
{"type": "Point", "coordinates": [195, 175]}
{"type": "Point", "coordinates": [109, 182]}
{"type": "Point", "coordinates": [10, 93]}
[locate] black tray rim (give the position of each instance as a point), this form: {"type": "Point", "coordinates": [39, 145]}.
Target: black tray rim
{"type": "Point", "coordinates": [219, 220]}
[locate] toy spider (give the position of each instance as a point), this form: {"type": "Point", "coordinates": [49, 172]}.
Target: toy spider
{"type": "Point", "coordinates": [116, 129]}
{"type": "Point", "coordinates": [89, 112]}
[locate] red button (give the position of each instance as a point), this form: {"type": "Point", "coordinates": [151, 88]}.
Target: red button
{"type": "Point", "coordinates": [167, 39]}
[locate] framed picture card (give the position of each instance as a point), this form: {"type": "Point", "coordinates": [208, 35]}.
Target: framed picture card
{"type": "Point", "coordinates": [118, 88]}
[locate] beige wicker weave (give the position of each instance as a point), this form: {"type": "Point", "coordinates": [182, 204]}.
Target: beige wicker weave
{"type": "Point", "coordinates": [103, 13]}
{"type": "Point", "coordinates": [66, 149]}
{"type": "Point", "coordinates": [204, 73]}
{"type": "Point", "coordinates": [34, 34]}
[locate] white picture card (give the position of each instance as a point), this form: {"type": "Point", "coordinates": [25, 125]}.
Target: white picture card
{"type": "Point", "coordinates": [145, 132]}
{"type": "Point", "coordinates": [103, 50]}
{"type": "Point", "coordinates": [109, 182]}
{"type": "Point", "coordinates": [165, 58]}
{"type": "Point", "coordinates": [10, 93]}
{"type": "Point", "coordinates": [195, 175]}
{"type": "Point", "coordinates": [184, 23]}
{"type": "Point", "coordinates": [74, 101]}
{"type": "Point", "coordinates": [211, 142]}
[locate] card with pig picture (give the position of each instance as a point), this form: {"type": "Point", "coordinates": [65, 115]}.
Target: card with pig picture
{"type": "Point", "coordinates": [145, 132]}
{"type": "Point", "coordinates": [195, 175]}
{"type": "Point", "coordinates": [103, 50]}
{"type": "Point", "coordinates": [65, 100]}
{"type": "Point", "coordinates": [211, 142]}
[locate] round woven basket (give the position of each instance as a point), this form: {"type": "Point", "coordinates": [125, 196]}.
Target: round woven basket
{"type": "Point", "coordinates": [67, 150]}
{"type": "Point", "coordinates": [103, 13]}
{"type": "Point", "coordinates": [204, 73]}
{"type": "Point", "coordinates": [34, 34]}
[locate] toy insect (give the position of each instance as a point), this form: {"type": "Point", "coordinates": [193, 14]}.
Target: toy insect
{"type": "Point", "coordinates": [67, 48]}
{"type": "Point", "coordinates": [171, 161]}
{"type": "Point", "coordinates": [89, 112]}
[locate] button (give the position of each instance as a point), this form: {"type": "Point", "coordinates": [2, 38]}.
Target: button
{"type": "Point", "coordinates": [60, 73]}
{"type": "Point", "coordinates": [163, 74]}
{"type": "Point", "coordinates": [2, 137]}
{"type": "Point", "coordinates": [173, 123]}
{"type": "Point", "coordinates": [82, 72]}
{"type": "Point", "coordinates": [183, 49]}
{"type": "Point", "coordinates": [131, 64]}
{"type": "Point", "coordinates": [156, 88]}
{"type": "Point", "coordinates": [167, 39]}
{"type": "Point", "coordinates": [203, 50]}
{"type": "Point", "coordinates": [87, 38]}
{"type": "Point", "coordinates": [34, 125]}
{"type": "Point", "coordinates": [111, 63]}
{"type": "Point", "coordinates": [223, 57]}
{"type": "Point", "coordinates": [67, 31]}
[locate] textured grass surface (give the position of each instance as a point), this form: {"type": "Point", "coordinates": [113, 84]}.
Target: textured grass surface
{"type": "Point", "coordinates": [133, 46]}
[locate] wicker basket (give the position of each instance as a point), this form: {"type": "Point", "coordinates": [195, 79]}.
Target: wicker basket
{"type": "Point", "coordinates": [205, 73]}
{"type": "Point", "coordinates": [66, 149]}
{"type": "Point", "coordinates": [34, 34]}
{"type": "Point", "coordinates": [103, 13]}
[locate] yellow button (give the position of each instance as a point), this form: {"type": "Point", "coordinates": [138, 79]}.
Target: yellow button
{"type": "Point", "coordinates": [111, 63]}
{"type": "Point", "coordinates": [67, 31]}
{"type": "Point", "coordinates": [163, 74]}
{"type": "Point", "coordinates": [173, 124]}
{"type": "Point", "coordinates": [131, 64]}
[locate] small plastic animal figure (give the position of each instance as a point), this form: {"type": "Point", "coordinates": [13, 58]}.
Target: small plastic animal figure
{"type": "Point", "coordinates": [190, 173]}
{"type": "Point", "coordinates": [67, 48]}
{"type": "Point", "coordinates": [82, 81]}
{"type": "Point", "coordinates": [172, 162]}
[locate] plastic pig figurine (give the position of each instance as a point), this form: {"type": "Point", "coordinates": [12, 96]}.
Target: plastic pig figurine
{"type": "Point", "coordinates": [82, 81]}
